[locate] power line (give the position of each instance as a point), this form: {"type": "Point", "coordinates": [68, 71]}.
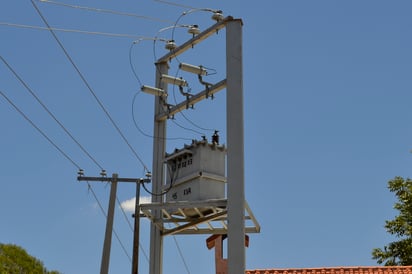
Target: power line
{"type": "Point", "coordinates": [107, 11]}
{"type": "Point", "coordinates": [118, 35]}
{"type": "Point", "coordinates": [65, 155]}
{"type": "Point", "coordinates": [174, 4]}
{"type": "Point", "coordinates": [49, 112]}
{"type": "Point", "coordinates": [88, 86]}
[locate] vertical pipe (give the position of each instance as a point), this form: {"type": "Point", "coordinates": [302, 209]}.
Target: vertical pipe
{"type": "Point", "coordinates": [235, 146]}
{"type": "Point", "coordinates": [159, 150]}
{"type": "Point", "coordinates": [104, 267]}
{"type": "Point", "coordinates": [135, 261]}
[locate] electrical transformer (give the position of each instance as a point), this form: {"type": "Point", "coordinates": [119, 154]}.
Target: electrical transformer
{"type": "Point", "coordinates": [197, 172]}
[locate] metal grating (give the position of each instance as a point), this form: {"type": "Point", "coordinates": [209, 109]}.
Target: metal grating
{"type": "Point", "coordinates": [195, 217]}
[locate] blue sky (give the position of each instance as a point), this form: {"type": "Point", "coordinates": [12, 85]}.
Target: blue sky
{"type": "Point", "coordinates": [327, 92]}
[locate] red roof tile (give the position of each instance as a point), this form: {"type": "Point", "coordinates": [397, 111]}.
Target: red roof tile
{"type": "Point", "coordinates": [338, 270]}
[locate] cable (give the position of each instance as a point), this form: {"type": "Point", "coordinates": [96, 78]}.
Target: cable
{"type": "Point", "coordinates": [173, 4]}
{"type": "Point", "coordinates": [49, 112]}
{"type": "Point", "coordinates": [73, 30]}
{"type": "Point", "coordinates": [68, 158]}
{"type": "Point", "coordinates": [40, 131]}
{"type": "Point", "coordinates": [106, 11]}
{"type": "Point", "coordinates": [88, 86]}
{"type": "Point", "coordinates": [144, 133]}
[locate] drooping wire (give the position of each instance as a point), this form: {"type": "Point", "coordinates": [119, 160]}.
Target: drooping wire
{"type": "Point", "coordinates": [65, 155]}
{"type": "Point", "coordinates": [49, 112]}
{"type": "Point", "coordinates": [89, 87]}
{"type": "Point", "coordinates": [106, 11]}
{"type": "Point", "coordinates": [131, 51]}
{"type": "Point", "coordinates": [185, 117]}
{"type": "Point", "coordinates": [146, 134]}
{"type": "Point", "coordinates": [73, 31]}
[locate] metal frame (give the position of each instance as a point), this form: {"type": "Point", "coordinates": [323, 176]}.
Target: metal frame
{"type": "Point", "coordinates": [215, 221]}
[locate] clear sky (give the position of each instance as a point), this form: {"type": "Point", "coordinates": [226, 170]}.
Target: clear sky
{"type": "Point", "coordinates": [327, 88]}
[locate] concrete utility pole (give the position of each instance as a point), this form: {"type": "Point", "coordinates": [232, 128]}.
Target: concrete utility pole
{"type": "Point", "coordinates": [235, 146]}
{"type": "Point", "coordinates": [104, 267]}
{"type": "Point", "coordinates": [159, 151]}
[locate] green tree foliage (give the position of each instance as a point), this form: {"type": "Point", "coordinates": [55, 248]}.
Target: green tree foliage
{"type": "Point", "coordinates": [398, 252]}
{"type": "Point", "coordinates": [15, 260]}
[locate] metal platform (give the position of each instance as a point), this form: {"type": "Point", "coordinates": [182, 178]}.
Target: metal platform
{"type": "Point", "coordinates": [206, 217]}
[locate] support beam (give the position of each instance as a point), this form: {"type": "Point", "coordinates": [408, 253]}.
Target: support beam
{"type": "Point", "coordinates": [159, 151]}
{"type": "Point", "coordinates": [235, 148]}
{"type": "Point", "coordinates": [192, 100]}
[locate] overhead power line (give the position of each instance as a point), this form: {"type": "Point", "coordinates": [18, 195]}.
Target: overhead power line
{"type": "Point", "coordinates": [118, 35]}
{"type": "Point", "coordinates": [89, 87]}
{"type": "Point", "coordinates": [107, 11]}
{"type": "Point", "coordinates": [49, 112]}
{"type": "Point", "coordinates": [65, 155]}
{"type": "Point", "coordinates": [174, 4]}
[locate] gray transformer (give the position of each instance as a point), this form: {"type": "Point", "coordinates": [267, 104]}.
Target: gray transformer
{"type": "Point", "coordinates": [196, 172]}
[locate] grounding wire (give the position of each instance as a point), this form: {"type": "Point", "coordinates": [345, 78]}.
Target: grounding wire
{"type": "Point", "coordinates": [49, 112]}
{"type": "Point", "coordinates": [106, 11]}
{"type": "Point", "coordinates": [89, 87]}
{"type": "Point", "coordinates": [72, 30]}
{"type": "Point", "coordinates": [40, 131]}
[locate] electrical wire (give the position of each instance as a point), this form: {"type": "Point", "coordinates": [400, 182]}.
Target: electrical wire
{"type": "Point", "coordinates": [49, 112]}
{"type": "Point", "coordinates": [73, 31]}
{"type": "Point", "coordinates": [106, 11]}
{"type": "Point", "coordinates": [174, 4]}
{"type": "Point", "coordinates": [65, 155]}
{"type": "Point", "coordinates": [89, 87]}
{"type": "Point", "coordinates": [146, 134]}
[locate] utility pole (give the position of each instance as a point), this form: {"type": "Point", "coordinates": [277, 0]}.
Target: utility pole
{"type": "Point", "coordinates": [104, 267]}
{"type": "Point", "coordinates": [235, 158]}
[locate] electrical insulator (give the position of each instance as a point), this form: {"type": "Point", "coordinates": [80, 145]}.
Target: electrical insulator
{"type": "Point", "coordinates": [194, 30]}
{"type": "Point", "coordinates": [170, 45]}
{"type": "Point", "coordinates": [217, 16]}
